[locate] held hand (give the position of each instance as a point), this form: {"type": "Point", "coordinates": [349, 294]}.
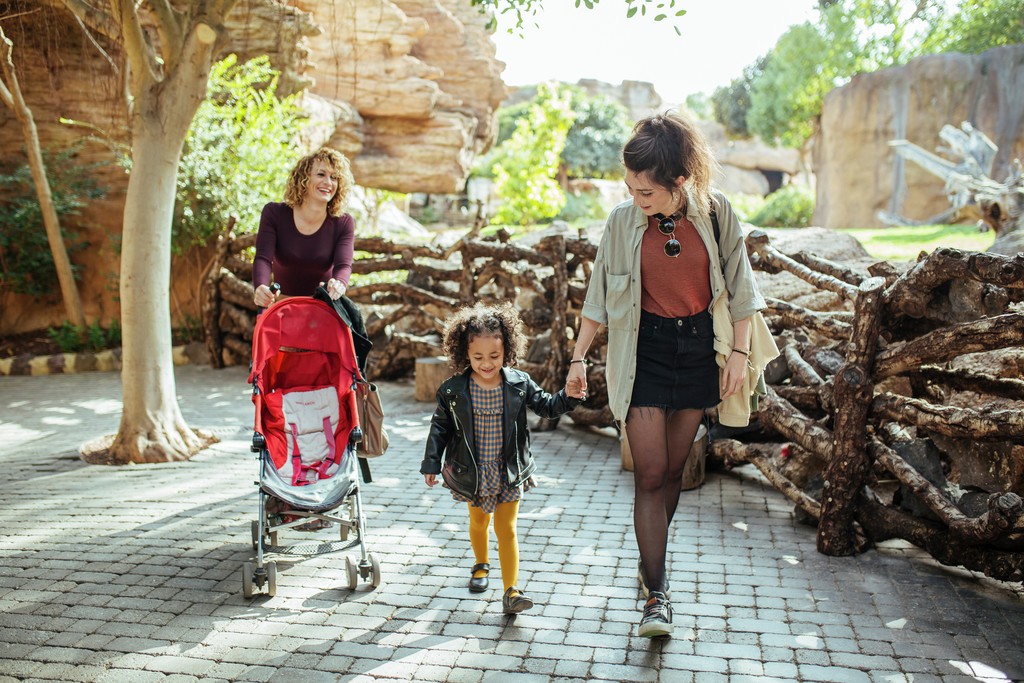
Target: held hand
{"type": "Point", "coordinates": [336, 288]}
{"type": "Point", "coordinates": [732, 376]}
{"type": "Point", "coordinates": [576, 381]}
{"type": "Point", "coordinates": [574, 388]}
{"type": "Point", "coordinates": [430, 479]}
{"type": "Point", "coordinates": [263, 297]}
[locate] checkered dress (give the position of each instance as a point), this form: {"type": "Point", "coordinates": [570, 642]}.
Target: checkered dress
{"type": "Point", "coordinates": [488, 412]}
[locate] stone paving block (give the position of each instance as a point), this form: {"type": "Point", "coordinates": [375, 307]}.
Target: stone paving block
{"type": "Point", "coordinates": [832, 674]}
{"type": "Point", "coordinates": [130, 676]}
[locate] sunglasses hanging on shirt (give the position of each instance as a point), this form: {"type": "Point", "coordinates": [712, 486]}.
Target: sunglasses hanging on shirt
{"type": "Point", "coordinates": [667, 227]}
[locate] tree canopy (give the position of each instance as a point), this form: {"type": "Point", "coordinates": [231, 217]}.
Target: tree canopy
{"type": "Point", "coordinates": [780, 96]}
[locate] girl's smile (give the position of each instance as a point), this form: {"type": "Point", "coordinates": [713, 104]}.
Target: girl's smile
{"type": "Point", "coordinates": [486, 357]}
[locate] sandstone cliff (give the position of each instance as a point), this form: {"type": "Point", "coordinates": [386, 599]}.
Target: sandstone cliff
{"type": "Point", "coordinates": [857, 174]}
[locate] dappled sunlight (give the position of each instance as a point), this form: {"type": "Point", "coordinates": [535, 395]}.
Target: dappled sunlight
{"type": "Point", "coordinates": [810, 640]}
{"type": "Point", "coordinates": [14, 435]}
{"type": "Point", "coordinates": [100, 406]}
{"type": "Point", "coordinates": [981, 672]}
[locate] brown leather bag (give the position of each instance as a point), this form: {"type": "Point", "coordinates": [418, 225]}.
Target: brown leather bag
{"type": "Point", "coordinates": [371, 421]}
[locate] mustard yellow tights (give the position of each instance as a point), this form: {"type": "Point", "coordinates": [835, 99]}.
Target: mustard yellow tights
{"type": "Point", "coordinates": [505, 529]}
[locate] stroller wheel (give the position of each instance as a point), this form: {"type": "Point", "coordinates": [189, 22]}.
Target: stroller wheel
{"type": "Point", "coordinates": [352, 572]}
{"type": "Point", "coordinates": [272, 579]}
{"type": "Point", "coordinates": [247, 579]}
{"type": "Point", "coordinates": [374, 571]}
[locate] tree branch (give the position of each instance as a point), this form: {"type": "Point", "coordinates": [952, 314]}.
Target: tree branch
{"type": "Point", "coordinates": [144, 69]}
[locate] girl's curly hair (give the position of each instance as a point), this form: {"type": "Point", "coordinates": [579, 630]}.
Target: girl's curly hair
{"type": "Point", "coordinates": [500, 320]}
{"type": "Point", "coordinates": [298, 180]}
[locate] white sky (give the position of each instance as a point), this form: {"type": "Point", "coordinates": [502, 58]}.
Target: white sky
{"type": "Point", "coordinates": [720, 38]}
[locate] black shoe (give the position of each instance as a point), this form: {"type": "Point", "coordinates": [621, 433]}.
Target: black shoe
{"type": "Point", "coordinates": [478, 585]}
{"type": "Point", "coordinates": [514, 604]}
{"type": "Point", "coordinates": [657, 619]}
{"type": "Point", "coordinates": [643, 579]}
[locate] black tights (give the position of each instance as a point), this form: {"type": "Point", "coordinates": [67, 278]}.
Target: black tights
{"type": "Point", "coordinates": [660, 441]}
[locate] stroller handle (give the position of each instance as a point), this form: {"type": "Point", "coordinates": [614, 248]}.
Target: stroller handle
{"type": "Point", "coordinates": [275, 289]}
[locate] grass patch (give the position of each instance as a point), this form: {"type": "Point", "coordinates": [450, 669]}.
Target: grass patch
{"type": "Point", "coordinates": [904, 243]}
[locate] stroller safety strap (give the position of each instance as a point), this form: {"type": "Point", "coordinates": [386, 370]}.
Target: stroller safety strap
{"type": "Point", "coordinates": [311, 418]}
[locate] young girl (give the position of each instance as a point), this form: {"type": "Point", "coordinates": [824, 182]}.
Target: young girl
{"type": "Point", "coordinates": [480, 427]}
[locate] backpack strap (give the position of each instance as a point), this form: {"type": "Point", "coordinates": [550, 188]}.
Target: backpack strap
{"type": "Point", "coordinates": [718, 239]}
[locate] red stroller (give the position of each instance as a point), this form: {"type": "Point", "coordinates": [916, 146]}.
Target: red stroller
{"type": "Point", "coordinates": [304, 372]}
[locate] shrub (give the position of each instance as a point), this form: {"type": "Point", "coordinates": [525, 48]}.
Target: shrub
{"type": "Point", "coordinates": [26, 262]}
{"type": "Point", "coordinates": [746, 205]}
{"type": "Point", "coordinates": [581, 206]}
{"type": "Point", "coordinates": [790, 207]}
{"type": "Point", "coordinates": [71, 338]}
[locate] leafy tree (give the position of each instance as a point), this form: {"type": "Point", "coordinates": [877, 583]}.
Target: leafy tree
{"type": "Point", "coordinates": [594, 143]}
{"type": "Point", "coordinates": [527, 163]}
{"type": "Point", "coordinates": [238, 153]}
{"type": "Point", "coordinates": [732, 102]}
{"type": "Point", "coordinates": [787, 97]}
{"type": "Point", "coordinates": [979, 25]}
{"type": "Point", "coordinates": [700, 106]}
{"type": "Point", "coordinates": [11, 96]}
{"type": "Point", "coordinates": [809, 60]}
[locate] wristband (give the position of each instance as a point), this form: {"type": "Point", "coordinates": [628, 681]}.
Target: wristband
{"type": "Point", "coordinates": [580, 360]}
{"type": "Point", "coordinates": [745, 353]}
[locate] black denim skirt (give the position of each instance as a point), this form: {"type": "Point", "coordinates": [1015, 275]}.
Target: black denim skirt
{"type": "Point", "coordinates": [675, 363]}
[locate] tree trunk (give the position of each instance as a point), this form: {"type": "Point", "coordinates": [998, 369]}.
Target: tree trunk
{"type": "Point", "coordinates": [61, 262]}
{"type": "Point", "coordinates": [152, 428]}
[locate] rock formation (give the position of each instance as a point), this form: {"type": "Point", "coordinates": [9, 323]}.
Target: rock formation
{"type": "Point", "coordinates": [858, 175]}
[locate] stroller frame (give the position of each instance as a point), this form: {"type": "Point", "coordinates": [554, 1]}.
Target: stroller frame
{"type": "Point", "coordinates": [332, 501]}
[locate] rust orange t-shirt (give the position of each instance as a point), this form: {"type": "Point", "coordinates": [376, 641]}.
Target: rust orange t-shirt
{"type": "Point", "coordinates": [674, 287]}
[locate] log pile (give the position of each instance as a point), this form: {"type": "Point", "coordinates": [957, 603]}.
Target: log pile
{"type": "Point", "coordinates": [868, 433]}
{"type": "Point", "coordinates": [882, 420]}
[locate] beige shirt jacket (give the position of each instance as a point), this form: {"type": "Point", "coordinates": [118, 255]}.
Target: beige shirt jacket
{"type": "Point", "coordinates": [613, 299]}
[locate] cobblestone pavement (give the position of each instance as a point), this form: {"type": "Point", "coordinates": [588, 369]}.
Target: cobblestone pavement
{"type": "Point", "coordinates": [134, 573]}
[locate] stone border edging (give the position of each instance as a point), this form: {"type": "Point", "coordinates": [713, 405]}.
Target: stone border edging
{"type": "Point", "coordinates": [89, 361]}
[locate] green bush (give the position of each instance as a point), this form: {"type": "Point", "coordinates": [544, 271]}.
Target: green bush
{"type": "Point", "coordinates": [581, 206]}
{"type": "Point", "coordinates": [790, 207]}
{"type": "Point", "coordinates": [239, 151]}
{"type": "Point", "coordinates": [746, 205]}
{"type": "Point", "coordinates": [71, 338]}
{"type": "Point", "coordinates": [26, 262]}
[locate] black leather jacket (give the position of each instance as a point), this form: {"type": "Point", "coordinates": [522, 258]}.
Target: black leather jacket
{"type": "Point", "coordinates": [451, 430]}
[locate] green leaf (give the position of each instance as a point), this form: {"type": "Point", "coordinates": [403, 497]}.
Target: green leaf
{"type": "Point", "coordinates": [680, 13]}
{"type": "Point", "coordinates": [631, 12]}
{"type": "Point", "coordinates": [660, 17]}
